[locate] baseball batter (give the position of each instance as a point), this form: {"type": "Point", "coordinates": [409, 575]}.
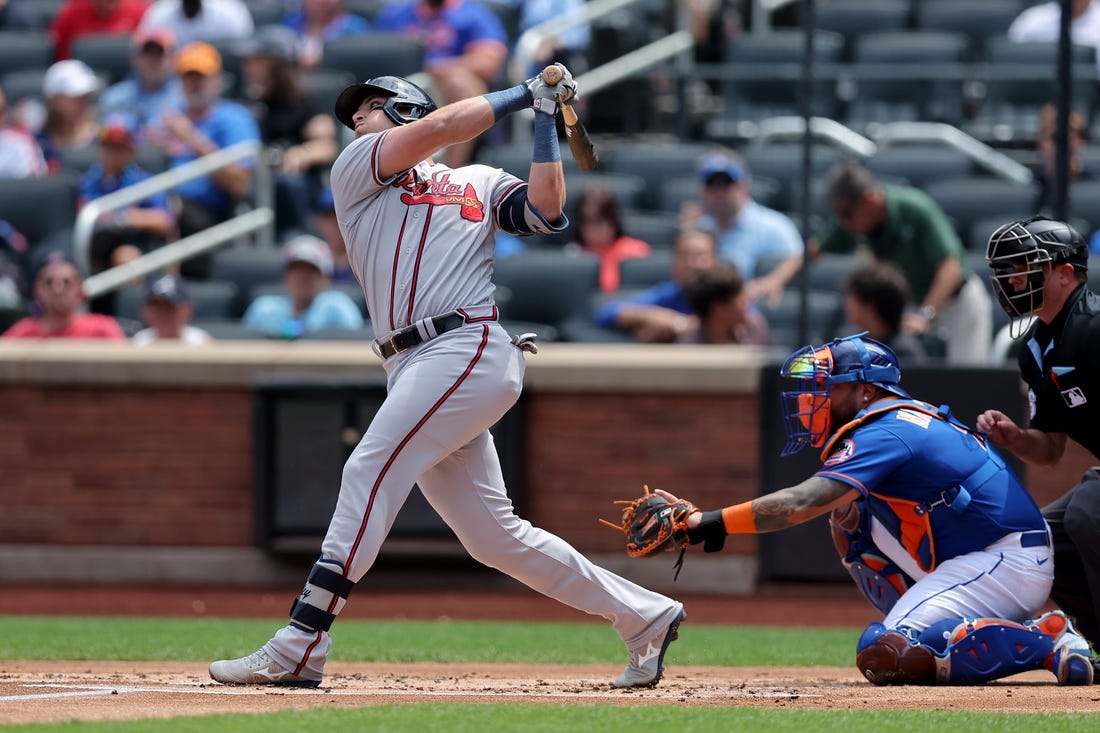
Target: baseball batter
{"type": "Point", "coordinates": [934, 527]}
{"type": "Point", "coordinates": [420, 240]}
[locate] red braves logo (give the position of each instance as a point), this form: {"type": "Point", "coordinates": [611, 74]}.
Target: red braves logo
{"type": "Point", "coordinates": [439, 191]}
{"type": "Point", "coordinates": [843, 452]}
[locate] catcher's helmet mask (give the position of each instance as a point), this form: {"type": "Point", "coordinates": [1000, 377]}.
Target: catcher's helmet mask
{"type": "Point", "coordinates": [1025, 247]}
{"type": "Point", "coordinates": [406, 101]}
{"type": "Point", "coordinates": [807, 410]}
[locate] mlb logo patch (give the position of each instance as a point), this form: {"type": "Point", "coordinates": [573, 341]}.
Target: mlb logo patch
{"type": "Point", "coordinates": [1074, 397]}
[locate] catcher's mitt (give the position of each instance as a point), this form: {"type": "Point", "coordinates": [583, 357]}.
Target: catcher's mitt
{"type": "Point", "coordinates": [652, 524]}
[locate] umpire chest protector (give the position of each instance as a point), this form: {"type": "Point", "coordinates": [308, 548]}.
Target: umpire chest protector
{"type": "Point", "coordinates": [1062, 370]}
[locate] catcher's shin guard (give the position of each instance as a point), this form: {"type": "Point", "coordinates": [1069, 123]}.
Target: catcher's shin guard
{"type": "Point", "coordinates": [973, 651]}
{"type": "Point", "coordinates": [889, 657]}
{"type": "Point", "coordinates": [325, 592]}
{"type": "Point", "coordinates": [878, 579]}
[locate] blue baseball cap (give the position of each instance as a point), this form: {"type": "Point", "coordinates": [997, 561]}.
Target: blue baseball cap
{"type": "Point", "coordinates": [168, 288]}
{"type": "Point", "coordinates": [721, 164]}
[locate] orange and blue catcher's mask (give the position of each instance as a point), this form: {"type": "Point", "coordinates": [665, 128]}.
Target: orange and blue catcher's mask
{"type": "Point", "coordinates": [807, 409]}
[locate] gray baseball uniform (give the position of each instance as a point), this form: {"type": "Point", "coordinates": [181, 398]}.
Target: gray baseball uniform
{"type": "Point", "coordinates": [421, 244]}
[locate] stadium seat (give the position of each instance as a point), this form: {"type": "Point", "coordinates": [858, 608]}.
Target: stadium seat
{"type": "Point", "coordinates": [825, 312]}
{"type": "Point", "coordinates": [980, 20]}
{"type": "Point", "coordinates": [967, 200]}
{"type": "Point", "coordinates": [920, 164]}
{"type": "Point", "coordinates": [853, 18]}
{"type": "Point", "coordinates": [646, 271]}
{"type": "Point", "coordinates": [248, 267]}
{"type": "Point", "coordinates": [43, 209]}
{"type": "Point", "coordinates": [658, 229]}
{"type": "Point", "coordinates": [212, 299]}
{"type": "Point", "coordinates": [765, 70]}
{"type": "Point", "coordinates": [629, 191]}
{"type": "Point", "coordinates": [324, 85]}
{"type": "Point", "coordinates": [265, 12]}
{"type": "Point", "coordinates": [549, 287]}
{"type": "Point", "coordinates": [921, 90]}
{"type": "Point", "coordinates": [22, 84]}
{"type": "Point", "coordinates": [374, 54]}
{"type": "Point", "coordinates": [25, 50]}
{"type": "Point", "coordinates": [1084, 206]}
{"type": "Point", "coordinates": [656, 164]}
{"type": "Point", "coordinates": [782, 162]}
{"type": "Point", "coordinates": [108, 54]}
{"type": "Point", "coordinates": [828, 271]}
{"type": "Point", "coordinates": [1020, 82]}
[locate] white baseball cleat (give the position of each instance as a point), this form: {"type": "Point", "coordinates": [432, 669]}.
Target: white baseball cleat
{"type": "Point", "coordinates": [647, 663]}
{"type": "Point", "coordinates": [257, 669]}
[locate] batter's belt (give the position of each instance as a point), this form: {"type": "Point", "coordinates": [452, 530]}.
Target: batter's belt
{"type": "Point", "coordinates": [419, 332]}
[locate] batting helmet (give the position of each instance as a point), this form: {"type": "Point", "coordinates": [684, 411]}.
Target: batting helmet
{"type": "Point", "coordinates": [807, 410]}
{"type": "Point", "coordinates": [407, 102]}
{"type": "Point", "coordinates": [1023, 248]}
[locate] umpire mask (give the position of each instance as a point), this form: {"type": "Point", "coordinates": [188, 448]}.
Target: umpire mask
{"type": "Point", "coordinates": [1020, 254]}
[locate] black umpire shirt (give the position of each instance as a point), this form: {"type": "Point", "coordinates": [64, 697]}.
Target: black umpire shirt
{"type": "Point", "coordinates": [1061, 364]}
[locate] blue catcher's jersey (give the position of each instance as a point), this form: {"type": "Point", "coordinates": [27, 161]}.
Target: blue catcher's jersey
{"type": "Point", "coordinates": [936, 487]}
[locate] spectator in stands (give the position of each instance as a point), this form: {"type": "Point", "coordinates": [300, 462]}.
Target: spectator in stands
{"type": "Point", "coordinates": [124, 234]}
{"type": "Point", "coordinates": [310, 304]}
{"type": "Point", "coordinates": [58, 291]}
{"type": "Point", "coordinates": [13, 250]}
{"type": "Point", "coordinates": [153, 85]}
{"type": "Point", "coordinates": [903, 225]}
{"type": "Point", "coordinates": [293, 124]}
{"type": "Point", "coordinates": [167, 312]}
{"type": "Point", "coordinates": [570, 47]}
{"type": "Point", "coordinates": [20, 155]}
{"type": "Point", "coordinates": [1041, 23]}
{"type": "Point", "coordinates": [20, 15]}
{"type": "Point", "coordinates": [200, 20]}
{"type": "Point", "coordinates": [750, 235]}
{"type": "Point", "coordinates": [1045, 145]}
{"type": "Point", "coordinates": [726, 316]}
{"type": "Point", "coordinates": [598, 230]}
{"type": "Point", "coordinates": [465, 48]}
{"type": "Point", "coordinates": [875, 298]}
{"type": "Point", "coordinates": [70, 88]}
{"type": "Point", "coordinates": [662, 314]}
{"type": "Point", "coordinates": [206, 124]}
{"type": "Point", "coordinates": [319, 21]}
{"type": "Point", "coordinates": [78, 18]}
{"type": "Point", "coordinates": [326, 225]}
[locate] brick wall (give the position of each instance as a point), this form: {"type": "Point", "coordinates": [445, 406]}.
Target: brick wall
{"type": "Point", "coordinates": [119, 466]}
{"type": "Point", "coordinates": [173, 467]}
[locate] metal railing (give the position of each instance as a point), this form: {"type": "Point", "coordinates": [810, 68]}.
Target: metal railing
{"type": "Point", "coordinates": [834, 132]}
{"type": "Point", "coordinates": [260, 219]}
{"type": "Point", "coordinates": [992, 160]}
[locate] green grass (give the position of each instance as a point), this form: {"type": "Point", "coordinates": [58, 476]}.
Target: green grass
{"type": "Point", "coordinates": [479, 718]}
{"type": "Point", "coordinates": [45, 638]}
{"type": "Point", "coordinates": [199, 640]}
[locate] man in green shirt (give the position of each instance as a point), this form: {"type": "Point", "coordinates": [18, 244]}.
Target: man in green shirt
{"type": "Point", "coordinates": [903, 225]}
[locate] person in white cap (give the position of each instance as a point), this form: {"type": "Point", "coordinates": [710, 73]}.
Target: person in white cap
{"type": "Point", "coordinates": [309, 304]}
{"type": "Point", "coordinates": [167, 311]}
{"type": "Point", "coordinates": [70, 88]}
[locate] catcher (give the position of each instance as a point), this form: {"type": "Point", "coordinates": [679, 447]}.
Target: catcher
{"type": "Point", "coordinates": [934, 527]}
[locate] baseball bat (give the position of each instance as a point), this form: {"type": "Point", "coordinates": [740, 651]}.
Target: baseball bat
{"type": "Point", "coordinates": [580, 144]}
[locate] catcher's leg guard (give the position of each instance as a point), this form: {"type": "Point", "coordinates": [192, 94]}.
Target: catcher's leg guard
{"type": "Point", "coordinates": [325, 592]}
{"type": "Point", "coordinates": [979, 650]}
{"type": "Point", "coordinates": [881, 581]}
{"type": "Point", "coordinates": [889, 657]}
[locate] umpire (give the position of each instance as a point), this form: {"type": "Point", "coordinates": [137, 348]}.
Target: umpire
{"type": "Point", "coordinates": [1040, 269]}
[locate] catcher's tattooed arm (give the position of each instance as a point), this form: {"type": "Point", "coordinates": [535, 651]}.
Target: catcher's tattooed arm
{"type": "Point", "coordinates": [778, 510]}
